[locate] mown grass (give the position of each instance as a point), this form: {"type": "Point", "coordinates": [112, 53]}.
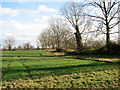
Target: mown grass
{"type": "Point", "coordinates": [40, 68]}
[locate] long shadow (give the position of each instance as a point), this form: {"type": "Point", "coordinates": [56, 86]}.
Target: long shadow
{"type": "Point", "coordinates": [41, 57]}
{"type": "Point", "coordinates": [21, 56]}
{"type": "Point", "coordinates": [94, 58]}
{"type": "Point", "coordinates": [29, 59]}
{"type": "Point", "coordinates": [100, 56]}
{"type": "Point", "coordinates": [33, 56]}
{"type": "Point", "coordinates": [65, 67]}
{"type": "Point", "coordinates": [41, 72]}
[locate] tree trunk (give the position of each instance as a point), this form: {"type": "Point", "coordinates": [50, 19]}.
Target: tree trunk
{"type": "Point", "coordinates": [49, 46]}
{"type": "Point", "coordinates": [78, 40]}
{"type": "Point", "coordinates": [108, 38]}
{"type": "Point", "coordinates": [58, 44]}
{"type": "Point", "coordinates": [38, 48]}
{"type": "Point", "coordinates": [42, 47]}
{"type": "Point", "coordinates": [9, 47]}
{"type": "Point", "coordinates": [53, 46]}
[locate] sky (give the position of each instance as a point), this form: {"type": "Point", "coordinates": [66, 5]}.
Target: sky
{"type": "Point", "coordinates": [26, 20]}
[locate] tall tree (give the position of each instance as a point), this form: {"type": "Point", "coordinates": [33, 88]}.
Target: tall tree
{"type": "Point", "coordinates": [10, 42]}
{"type": "Point", "coordinates": [58, 28]}
{"type": "Point", "coordinates": [107, 17]}
{"type": "Point", "coordinates": [27, 46]}
{"type": "Point", "coordinates": [57, 35]}
{"type": "Point", "coordinates": [73, 12]}
{"type": "Point", "coordinates": [43, 40]}
{"type": "Point", "coordinates": [119, 24]}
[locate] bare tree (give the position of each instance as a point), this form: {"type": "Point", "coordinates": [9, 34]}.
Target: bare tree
{"type": "Point", "coordinates": [46, 39]}
{"type": "Point", "coordinates": [58, 29]}
{"type": "Point", "coordinates": [38, 44]}
{"type": "Point", "coordinates": [68, 39]}
{"type": "Point", "coordinates": [119, 25]}
{"type": "Point", "coordinates": [51, 39]}
{"type": "Point", "coordinates": [73, 12]}
{"type": "Point", "coordinates": [43, 40]}
{"type": "Point", "coordinates": [27, 46]}
{"type": "Point", "coordinates": [57, 35]}
{"type": "Point", "coordinates": [19, 47]}
{"type": "Point", "coordinates": [93, 43]}
{"type": "Point", "coordinates": [108, 18]}
{"type": "Point", "coordinates": [10, 42]}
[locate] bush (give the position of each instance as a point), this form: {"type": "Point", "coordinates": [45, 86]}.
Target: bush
{"type": "Point", "coordinates": [61, 50]}
{"type": "Point", "coordinates": [114, 49]}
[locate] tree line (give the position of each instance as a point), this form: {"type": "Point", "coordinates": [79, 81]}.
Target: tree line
{"type": "Point", "coordinates": [77, 22]}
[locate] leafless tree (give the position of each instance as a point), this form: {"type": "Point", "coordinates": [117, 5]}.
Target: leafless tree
{"type": "Point", "coordinates": [27, 46]}
{"type": "Point", "coordinates": [51, 39]}
{"type": "Point", "coordinates": [57, 27]}
{"type": "Point", "coordinates": [43, 40]}
{"type": "Point", "coordinates": [10, 41]}
{"type": "Point", "coordinates": [68, 39]}
{"type": "Point", "coordinates": [92, 43]}
{"type": "Point", "coordinates": [119, 25]}
{"type": "Point", "coordinates": [106, 16]}
{"type": "Point", "coordinates": [46, 39]}
{"type": "Point", "coordinates": [19, 47]}
{"type": "Point", "coordinates": [57, 35]}
{"type": "Point", "coordinates": [73, 12]}
{"type": "Point", "coordinates": [38, 44]}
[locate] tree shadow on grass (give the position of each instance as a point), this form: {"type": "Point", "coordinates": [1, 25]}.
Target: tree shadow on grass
{"type": "Point", "coordinates": [38, 71]}
{"type": "Point", "coordinates": [100, 58]}
{"type": "Point", "coordinates": [22, 58]}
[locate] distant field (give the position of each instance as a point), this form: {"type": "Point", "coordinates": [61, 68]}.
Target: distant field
{"type": "Point", "coordinates": [41, 68]}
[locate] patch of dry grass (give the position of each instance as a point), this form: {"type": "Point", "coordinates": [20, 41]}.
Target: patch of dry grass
{"type": "Point", "coordinates": [99, 79]}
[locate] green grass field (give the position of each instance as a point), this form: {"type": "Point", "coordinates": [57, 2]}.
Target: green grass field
{"type": "Point", "coordinates": [41, 68]}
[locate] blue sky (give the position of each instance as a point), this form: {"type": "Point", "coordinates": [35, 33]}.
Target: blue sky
{"type": "Point", "coordinates": [26, 20]}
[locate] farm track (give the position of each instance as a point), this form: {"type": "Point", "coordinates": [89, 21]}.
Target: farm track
{"type": "Point", "coordinates": [26, 67]}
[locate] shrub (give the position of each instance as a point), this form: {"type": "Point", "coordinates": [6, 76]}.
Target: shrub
{"type": "Point", "coordinates": [60, 50]}
{"type": "Point", "coordinates": [114, 49]}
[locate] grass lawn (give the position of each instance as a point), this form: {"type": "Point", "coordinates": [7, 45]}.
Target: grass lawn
{"type": "Point", "coordinates": [41, 68]}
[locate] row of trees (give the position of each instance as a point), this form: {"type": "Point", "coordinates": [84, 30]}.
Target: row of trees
{"type": "Point", "coordinates": [78, 21]}
{"type": "Point", "coordinates": [10, 45]}
{"type": "Point", "coordinates": [57, 35]}
{"type": "Point", "coordinates": [106, 20]}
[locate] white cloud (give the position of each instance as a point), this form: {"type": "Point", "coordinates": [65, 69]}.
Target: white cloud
{"type": "Point", "coordinates": [36, 20]}
{"type": "Point", "coordinates": [43, 19]}
{"type": "Point", "coordinates": [2, 23]}
{"type": "Point", "coordinates": [46, 18]}
{"type": "Point", "coordinates": [21, 1]}
{"type": "Point", "coordinates": [14, 12]}
{"type": "Point", "coordinates": [8, 34]}
{"type": "Point", "coordinates": [22, 38]}
{"type": "Point", "coordinates": [43, 8]}
{"type": "Point", "coordinates": [27, 27]}
{"type": "Point", "coordinates": [8, 11]}
{"type": "Point", "coordinates": [22, 31]}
